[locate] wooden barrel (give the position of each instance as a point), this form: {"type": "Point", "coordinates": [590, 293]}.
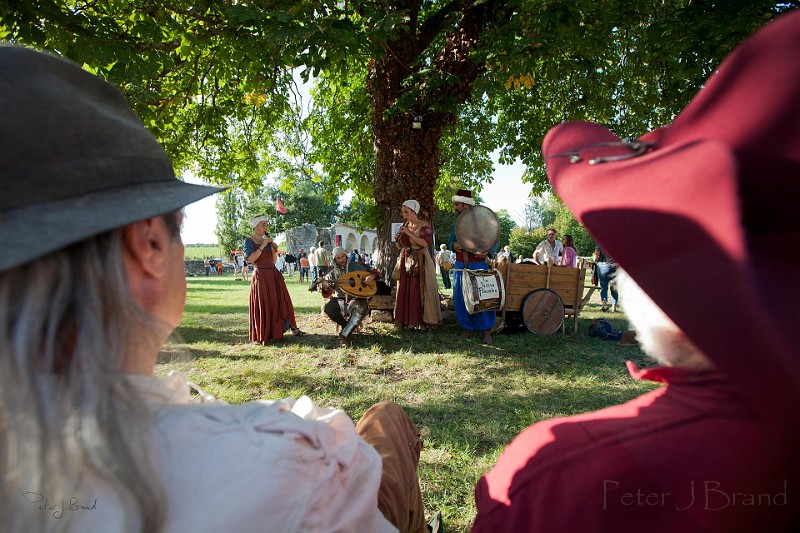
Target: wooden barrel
{"type": "Point", "coordinates": [542, 311]}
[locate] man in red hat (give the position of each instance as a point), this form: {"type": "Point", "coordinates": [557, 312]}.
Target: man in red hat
{"type": "Point", "coordinates": [483, 321]}
{"type": "Point", "coordinates": [700, 216]}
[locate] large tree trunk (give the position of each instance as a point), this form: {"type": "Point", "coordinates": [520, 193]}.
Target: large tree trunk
{"type": "Point", "coordinates": [406, 159]}
{"type": "Point", "coordinates": [407, 167]}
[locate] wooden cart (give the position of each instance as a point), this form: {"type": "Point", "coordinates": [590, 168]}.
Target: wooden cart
{"type": "Point", "coordinates": [544, 294]}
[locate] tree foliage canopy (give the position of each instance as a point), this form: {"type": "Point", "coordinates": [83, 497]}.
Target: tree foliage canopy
{"type": "Point", "coordinates": [213, 80]}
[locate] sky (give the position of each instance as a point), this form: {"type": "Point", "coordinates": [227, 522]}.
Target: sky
{"type": "Point", "coordinates": [506, 192]}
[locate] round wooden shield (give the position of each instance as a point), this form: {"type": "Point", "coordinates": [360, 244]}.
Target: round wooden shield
{"type": "Point", "coordinates": [542, 311]}
{"type": "Point", "coordinates": [477, 229]}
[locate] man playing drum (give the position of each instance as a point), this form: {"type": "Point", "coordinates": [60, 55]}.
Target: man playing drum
{"type": "Point", "coordinates": [483, 321]}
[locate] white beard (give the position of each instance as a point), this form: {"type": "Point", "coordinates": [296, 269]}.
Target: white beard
{"type": "Point", "coordinates": [659, 337]}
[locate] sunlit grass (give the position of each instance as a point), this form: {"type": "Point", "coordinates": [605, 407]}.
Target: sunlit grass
{"type": "Point", "coordinates": [469, 400]}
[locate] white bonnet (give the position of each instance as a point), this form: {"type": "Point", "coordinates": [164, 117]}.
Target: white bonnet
{"type": "Point", "coordinates": [413, 205]}
{"type": "Point", "coordinates": [257, 219]}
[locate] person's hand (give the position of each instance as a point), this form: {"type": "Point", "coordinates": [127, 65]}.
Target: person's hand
{"type": "Point", "coordinates": [457, 247]}
{"type": "Point", "coordinates": [369, 280]}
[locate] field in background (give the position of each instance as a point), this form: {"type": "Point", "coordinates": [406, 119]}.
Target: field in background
{"type": "Point", "coordinates": [201, 251]}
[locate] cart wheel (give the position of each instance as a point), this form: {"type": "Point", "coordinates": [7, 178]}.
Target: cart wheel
{"type": "Point", "coordinates": [542, 311]}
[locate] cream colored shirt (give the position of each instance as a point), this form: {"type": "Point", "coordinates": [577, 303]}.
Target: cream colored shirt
{"type": "Point", "coordinates": [276, 466]}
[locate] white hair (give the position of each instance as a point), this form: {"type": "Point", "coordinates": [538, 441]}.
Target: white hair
{"type": "Point", "coordinates": [67, 412]}
{"type": "Point", "coordinates": [659, 337]}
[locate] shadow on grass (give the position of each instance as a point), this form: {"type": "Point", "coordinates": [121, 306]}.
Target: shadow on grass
{"type": "Point", "coordinates": [488, 421]}
{"type": "Point", "coordinates": [216, 309]}
{"type": "Point", "coordinates": [194, 334]}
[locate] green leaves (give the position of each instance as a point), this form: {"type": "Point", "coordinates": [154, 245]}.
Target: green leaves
{"type": "Point", "coordinates": [213, 79]}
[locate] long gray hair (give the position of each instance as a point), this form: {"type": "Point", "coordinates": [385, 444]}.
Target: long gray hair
{"type": "Point", "coordinates": [67, 413]}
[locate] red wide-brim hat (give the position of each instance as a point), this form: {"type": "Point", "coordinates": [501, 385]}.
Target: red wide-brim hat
{"type": "Point", "coordinates": [703, 214]}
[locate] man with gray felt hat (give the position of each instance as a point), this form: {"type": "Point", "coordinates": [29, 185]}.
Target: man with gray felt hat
{"type": "Point", "coordinates": [92, 283]}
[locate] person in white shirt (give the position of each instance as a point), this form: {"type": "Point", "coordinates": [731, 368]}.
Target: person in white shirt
{"type": "Point", "coordinates": [312, 264]}
{"type": "Point", "coordinates": [280, 262]}
{"type": "Point", "coordinates": [92, 441]}
{"type": "Point", "coordinates": [549, 250]}
{"type": "Point", "coordinates": [444, 263]}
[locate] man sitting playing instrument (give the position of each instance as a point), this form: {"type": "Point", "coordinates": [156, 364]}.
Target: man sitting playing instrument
{"type": "Point", "coordinates": [346, 310]}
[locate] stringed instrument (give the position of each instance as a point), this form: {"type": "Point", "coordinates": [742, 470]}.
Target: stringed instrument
{"type": "Point", "coordinates": [351, 283]}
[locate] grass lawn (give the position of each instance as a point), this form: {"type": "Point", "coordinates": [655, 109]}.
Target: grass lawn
{"type": "Point", "coordinates": [469, 400]}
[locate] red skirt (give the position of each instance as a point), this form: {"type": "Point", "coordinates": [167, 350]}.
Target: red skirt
{"type": "Point", "coordinates": [271, 309]}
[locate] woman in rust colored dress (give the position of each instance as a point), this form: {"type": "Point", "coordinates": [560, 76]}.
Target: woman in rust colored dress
{"type": "Point", "coordinates": [271, 309]}
{"type": "Point", "coordinates": [417, 301]}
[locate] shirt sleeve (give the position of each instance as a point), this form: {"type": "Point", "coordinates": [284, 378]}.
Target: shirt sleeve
{"type": "Point", "coordinates": [249, 247]}
{"type": "Point", "coordinates": [568, 258]}
{"type": "Point", "coordinates": [348, 499]}
{"type": "Point", "coordinates": [493, 251]}
{"type": "Point", "coordinates": [452, 240]}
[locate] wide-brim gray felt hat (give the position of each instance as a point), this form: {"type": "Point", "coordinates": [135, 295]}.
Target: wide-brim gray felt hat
{"type": "Point", "coordinates": [75, 161]}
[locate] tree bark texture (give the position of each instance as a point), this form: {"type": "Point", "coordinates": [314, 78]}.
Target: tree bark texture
{"type": "Point", "coordinates": [407, 160]}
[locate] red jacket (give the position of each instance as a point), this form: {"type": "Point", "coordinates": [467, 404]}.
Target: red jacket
{"type": "Point", "coordinates": [688, 456]}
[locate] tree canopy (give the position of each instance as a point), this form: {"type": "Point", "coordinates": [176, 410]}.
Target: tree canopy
{"type": "Point", "coordinates": [214, 80]}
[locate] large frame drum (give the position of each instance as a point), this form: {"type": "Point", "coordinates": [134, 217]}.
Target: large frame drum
{"type": "Point", "coordinates": [477, 229]}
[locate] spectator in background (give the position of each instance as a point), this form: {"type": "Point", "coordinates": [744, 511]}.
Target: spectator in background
{"type": "Point", "coordinates": [323, 259]}
{"type": "Point", "coordinates": [569, 257]}
{"type": "Point", "coordinates": [280, 262]}
{"type": "Point", "coordinates": [312, 268]}
{"type": "Point", "coordinates": [291, 260]}
{"type": "Point", "coordinates": [219, 267]}
{"type": "Point", "coordinates": [304, 265]}
{"type": "Point", "coordinates": [207, 265]}
{"type": "Point", "coordinates": [606, 269]}
{"type": "Point", "coordinates": [507, 254]}
{"type": "Point", "coordinates": [237, 269]}
{"type": "Point", "coordinates": [245, 270]}
{"type": "Point", "coordinates": [548, 251]}
{"type": "Point", "coordinates": [444, 263]}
